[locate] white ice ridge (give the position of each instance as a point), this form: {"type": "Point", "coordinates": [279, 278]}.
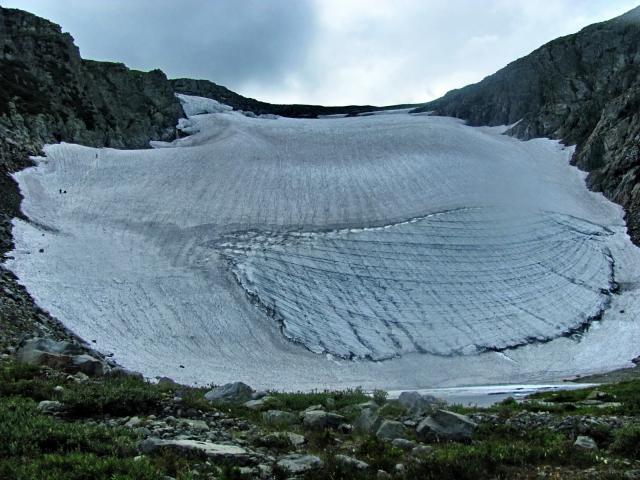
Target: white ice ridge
{"type": "Point", "coordinates": [200, 105]}
{"type": "Point", "coordinates": [458, 282]}
{"type": "Point", "coordinates": [136, 254]}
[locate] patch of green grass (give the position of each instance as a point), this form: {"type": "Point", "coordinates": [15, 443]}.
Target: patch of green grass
{"type": "Point", "coordinates": [627, 393]}
{"type": "Point", "coordinates": [35, 446]}
{"type": "Point", "coordinates": [24, 379]}
{"type": "Point", "coordinates": [495, 452]}
{"type": "Point", "coordinates": [379, 454]}
{"type": "Point", "coordinates": [626, 442]}
{"type": "Point", "coordinates": [77, 466]}
{"type": "Point", "coordinates": [335, 470]}
{"type": "Point", "coordinates": [297, 401]}
{"type": "Point", "coordinates": [120, 396]}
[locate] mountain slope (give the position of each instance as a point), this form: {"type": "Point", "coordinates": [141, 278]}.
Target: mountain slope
{"type": "Point", "coordinates": [205, 88]}
{"type": "Point", "coordinates": [584, 89]}
{"type": "Point", "coordinates": [48, 94]}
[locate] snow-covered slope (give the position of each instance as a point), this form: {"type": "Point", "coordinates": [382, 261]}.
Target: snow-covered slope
{"type": "Point", "coordinates": [272, 250]}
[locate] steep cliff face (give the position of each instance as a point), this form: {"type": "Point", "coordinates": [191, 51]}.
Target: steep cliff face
{"type": "Point", "coordinates": [205, 88]}
{"type": "Point", "coordinates": [48, 93]}
{"type": "Point", "coordinates": [583, 89]}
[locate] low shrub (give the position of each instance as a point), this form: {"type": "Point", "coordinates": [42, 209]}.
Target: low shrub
{"type": "Point", "coordinates": [297, 401]}
{"type": "Point", "coordinates": [120, 396]}
{"type": "Point", "coordinates": [64, 450]}
{"type": "Point", "coordinates": [626, 442]}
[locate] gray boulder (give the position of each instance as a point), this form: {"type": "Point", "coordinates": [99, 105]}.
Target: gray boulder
{"type": "Point", "coordinates": [586, 443]}
{"type": "Point", "coordinates": [89, 365]}
{"type": "Point", "coordinates": [123, 372]}
{"type": "Point", "coordinates": [351, 462]}
{"type": "Point", "coordinates": [390, 430]}
{"type": "Point", "coordinates": [50, 407]}
{"type": "Point", "coordinates": [276, 439]}
{"type": "Point", "coordinates": [321, 420]}
{"type": "Point", "coordinates": [418, 403]}
{"type": "Point", "coordinates": [257, 404]}
{"type": "Point", "coordinates": [421, 450]}
{"type": "Point", "coordinates": [236, 392]}
{"type": "Point", "coordinates": [368, 421]}
{"type": "Point", "coordinates": [278, 418]}
{"type": "Point", "coordinates": [232, 454]}
{"type": "Point", "coordinates": [445, 425]}
{"type": "Point", "coordinates": [64, 355]}
{"type": "Point", "coordinates": [403, 443]}
{"type": "Point", "coordinates": [297, 464]}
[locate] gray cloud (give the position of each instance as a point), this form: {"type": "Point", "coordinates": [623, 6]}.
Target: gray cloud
{"type": "Point", "coordinates": [322, 51]}
{"type": "Point", "coordinates": [228, 41]}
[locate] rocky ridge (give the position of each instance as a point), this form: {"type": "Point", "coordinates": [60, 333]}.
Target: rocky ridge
{"type": "Point", "coordinates": [49, 94]}
{"type": "Point", "coordinates": [583, 89]}
{"type": "Point", "coordinates": [208, 89]}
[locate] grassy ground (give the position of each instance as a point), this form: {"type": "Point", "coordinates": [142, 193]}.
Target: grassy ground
{"type": "Point", "coordinates": [79, 446]}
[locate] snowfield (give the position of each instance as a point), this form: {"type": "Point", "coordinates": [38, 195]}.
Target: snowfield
{"type": "Point", "coordinates": [388, 251]}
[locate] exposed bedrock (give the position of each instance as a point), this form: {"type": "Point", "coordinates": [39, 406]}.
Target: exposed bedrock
{"type": "Point", "coordinates": [49, 94]}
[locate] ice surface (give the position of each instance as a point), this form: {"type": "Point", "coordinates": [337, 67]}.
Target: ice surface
{"type": "Point", "coordinates": [201, 105]}
{"type": "Point", "coordinates": [385, 236]}
{"type": "Point", "coordinates": [453, 283]}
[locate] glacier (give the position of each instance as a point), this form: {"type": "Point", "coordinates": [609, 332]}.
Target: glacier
{"type": "Point", "coordinates": [391, 251]}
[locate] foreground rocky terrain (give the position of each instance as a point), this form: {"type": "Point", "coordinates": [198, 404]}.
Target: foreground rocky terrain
{"type": "Point", "coordinates": [77, 420]}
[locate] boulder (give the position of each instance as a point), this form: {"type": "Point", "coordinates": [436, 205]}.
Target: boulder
{"type": "Point", "coordinates": [257, 404]}
{"type": "Point", "coordinates": [199, 425]}
{"type": "Point", "coordinates": [368, 421]}
{"type": "Point", "coordinates": [278, 418]}
{"type": "Point", "coordinates": [320, 420]}
{"type": "Point", "coordinates": [415, 402]}
{"type": "Point", "coordinates": [278, 439]}
{"type": "Point", "coordinates": [133, 422]}
{"type": "Point", "coordinates": [296, 439]}
{"type": "Point", "coordinates": [166, 381]}
{"type": "Point", "coordinates": [421, 450]}
{"type": "Point", "coordinates": [50, 407]}
{"type": "Point", "coordinates": [30, 349]}
{"type": "Point", "coordinates": [445, 425]}
{"type": "Point", "coordinates": [297, 464]}
{"type": "Point", "coordinates": [585, 443]}
{"type": "Point", "coordinates": [123, 372]}
{"type": "Point", "coordinates": [67, 356]}
{"type": "Point", "coordinates": [403, 443]}
{"type": "Point", "coordinates": [313, 407]}
{"type": "Point", "coordinates": [236, 392]}
{"type": "Point", "coordinates": [89, 365]}
{"type": "Point", "coordinates": [351, 462]}
{"type": "Point", "coordinates": [382, 475]}
{"type": "Point", "coordinates": [232, 454]}
{"type": "Point", "coordinates": [390, 430]}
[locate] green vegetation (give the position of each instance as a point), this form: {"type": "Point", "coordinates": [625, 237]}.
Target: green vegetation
{"type": "Point", "coordinates": [627, 442]}
{"type": "Point", "coordinates": [35, 446]}
{"type": "Point", "coordinates": [497, 453]}
{"type": "Point", "coordinates": [38, 446]}
{"type": "Point", "coordinates": [332, 400]}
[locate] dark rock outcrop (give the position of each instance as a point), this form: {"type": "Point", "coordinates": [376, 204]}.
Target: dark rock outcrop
{"type": "Point", "coordinates": [205, 88]}
{"type": "Point", "coordinates": [583, 89]}
{"type": "Point", "coordinates": [48, 94]}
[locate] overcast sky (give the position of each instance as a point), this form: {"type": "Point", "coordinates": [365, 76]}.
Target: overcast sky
{"type": "Point", "coordinates": [322, 51]}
